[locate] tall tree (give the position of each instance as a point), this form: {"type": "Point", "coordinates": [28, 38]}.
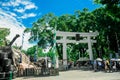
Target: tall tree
{"type": "Point", "coordinates": [111, 21]}
{"type": "Point", "coordinates": [42, 30]}
{"type": "Point", "coordinates": [3, 33]}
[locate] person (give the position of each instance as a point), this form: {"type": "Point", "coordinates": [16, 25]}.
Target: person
{"type": "Point", "coordinates": [99, 65]}
{"type": "Point", "coordinates": [114, 66]}
{"type": "Point", "coordinates": [20, 58]}
{"type": "Point", "coordinates": [95, 65]}
{"type": "Point", "coordinates": [107, 66]}
{"type": "Point", "coordinates": [49, 64]}
{"type": "Point", "coordinates": [69, 65]}
{"type": "Point", "coordinates": [43, 67]}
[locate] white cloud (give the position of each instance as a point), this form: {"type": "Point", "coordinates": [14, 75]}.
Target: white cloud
{"type": "Point", "coordinates": [27, 7]}
{"type": "Point", "coordinates": [4, 14]}
{"type": "Point", "coordinates": [25, 2]}
{"type": "Point", "coordinates": [6, 4]}
{"type": "Point", "coordinates": [10, 13]}
{"type": "Point", "coordinates": [13, 14]}
{"type": "Point", "coordinates": [8, 21]}
{"type": "Point", "coordinates": [19, 5]}
{"type": "Point", "coordinates": [26, 44]}
{"type": "Point", "coordinates": [28, 15]}
{"type": "Point", "coordinates": [12, 3]}
{"type": "Point", "coordinates": [20, 10]}
{"type": "Point", "coordinates": [15, 3]}
{"type": "Point", "coordinates": [30, 6]}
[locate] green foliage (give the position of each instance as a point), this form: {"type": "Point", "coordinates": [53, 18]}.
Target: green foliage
{"type": "Point", "coordinates": [105, 20]}
{"type": "Point", "coordinates": [51, 54]}
{"type": "Point", "coordinates": [24, 51]}
{"type": "Point", "coordinates": [41, 32]}
{"type": "Point", "coordinates": [107, 1]}
{"type": "Point", "coordinates": [31, 51]}
{"type": "Point", "coordinates": [40, 53]}
{"type": "Point", "coordinates": [16, 47]}
{"type": "Point", "coordinates": [3, 33]}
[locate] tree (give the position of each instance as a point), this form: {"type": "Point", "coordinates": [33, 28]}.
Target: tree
{"type": "Point", "coordinates": [111, 21]}
{"type": "Point", "coordinates": [85, 21]}
{"type": "Point", "coordinates": [31, 51]}
{"type": "Point", "coordinates": [105, 20]}
{"type": "Point", "coordinates": [42, 30]}
{"type": "Point", "coordinates": [107, 2]}
{"type": "Point", "coordinates": [3, 33]}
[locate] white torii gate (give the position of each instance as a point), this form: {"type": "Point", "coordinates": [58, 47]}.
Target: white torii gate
{"type": "Point", "coordinates": [64, 41]}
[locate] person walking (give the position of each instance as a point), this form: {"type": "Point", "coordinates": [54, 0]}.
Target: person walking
{"type": "Point", "coordinates": [107, 66]}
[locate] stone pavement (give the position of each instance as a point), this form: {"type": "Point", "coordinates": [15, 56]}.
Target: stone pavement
{"type": "Point", "coordinates": [78, 75]}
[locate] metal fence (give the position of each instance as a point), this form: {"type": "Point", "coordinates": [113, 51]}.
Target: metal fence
{"type": "Point", "coordinates": [37, 72]}
{"type": "Point", "coordinates": [29, 72]}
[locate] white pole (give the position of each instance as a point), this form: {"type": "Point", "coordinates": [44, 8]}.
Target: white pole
{"type": "Point", "coordinates": [56, 65]}
{"type": "Point", "coordinates": [36, 52]}
{"type": "Point", "coordinates": [22, 40]}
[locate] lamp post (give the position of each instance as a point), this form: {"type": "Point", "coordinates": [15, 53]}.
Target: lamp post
{"type": "Point", "coordinates": [55, 56]}
{"type": "Point", "coordinates": [23, 34]}
{"type": "Point", "coordinates": [108, 37]}
{"type": "Point", "coordinates": [118, 46]}
{"type": "Point", "coordinates": [54, 46]}
{"type": "Point", "coordinates": [36, 52]}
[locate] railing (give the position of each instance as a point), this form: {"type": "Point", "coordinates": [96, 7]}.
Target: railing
{"type": "Point", "coordinates": [37, 72]}
{"type": "Point", "coordinates": [29, 72]}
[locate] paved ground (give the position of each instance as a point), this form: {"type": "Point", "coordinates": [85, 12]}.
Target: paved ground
{"type": "Point", "coordinates": [78, 75]}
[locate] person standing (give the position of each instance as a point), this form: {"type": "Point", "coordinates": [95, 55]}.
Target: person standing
{"type": "Point", "coordinates": [114, 66]}
{"type": "Point", "coordinates": [95, 65]}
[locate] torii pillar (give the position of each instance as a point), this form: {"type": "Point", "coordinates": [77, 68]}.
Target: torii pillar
{"type": "Point", "coordinates": [64, 52]}
{"type": "Point", "coordinates": [90, 48]}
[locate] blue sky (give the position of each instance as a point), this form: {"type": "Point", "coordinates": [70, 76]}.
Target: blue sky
{"type": "Point", "coordinates": [19, 14]}
{"type": "Point", "coordinates": [28, 11]}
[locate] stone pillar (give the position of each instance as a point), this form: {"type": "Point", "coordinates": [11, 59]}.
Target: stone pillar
{"type": "Point", "coordinates": [64, 52]}
{"type": "Point", "coordinates": [90, 48]}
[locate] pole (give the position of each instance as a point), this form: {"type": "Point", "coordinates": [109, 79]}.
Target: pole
{"type": "Point", "coordinates": [22, 40]}
{"type": "Point", "coordinates": [117, 41]}
{"type": "Point", "coordinates": [79, 55]}
{"type": "Point", "coordinates": [36, 52]}
{"type": "Point", "coordinates": [54, 48]}
{"type": "Point", "coordinates": [11, 75]}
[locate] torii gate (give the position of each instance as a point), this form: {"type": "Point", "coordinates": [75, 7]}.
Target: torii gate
{"type": "Point", "coordinates": [64, 41]}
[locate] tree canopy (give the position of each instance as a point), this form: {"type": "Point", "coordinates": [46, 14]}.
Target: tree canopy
{"type": "Point", "coordinates": [105, 20]}
{"type": "Point", "coordinates": [3, 33]}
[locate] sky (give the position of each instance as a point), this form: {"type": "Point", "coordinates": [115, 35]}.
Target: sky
{"type": "Point", "coordinates": [19, 14]}
{"type": "Point", "coordinates": [28, 11]}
